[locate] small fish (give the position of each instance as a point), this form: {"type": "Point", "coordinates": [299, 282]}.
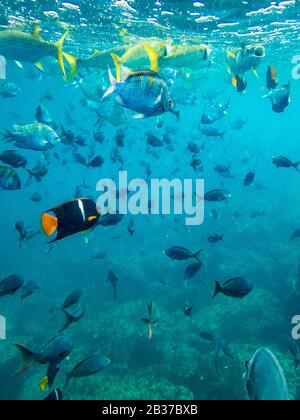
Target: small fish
{"type": "Point", "coordinates": [177, 253]}
{"type": "Point", "coordinates": [25, 234]}
{"type": "Point", "coordinates": [73, 314]}
{"type": "Point", "coordinates": [99, 256]}
{"type": "Point", "coordinates": [250, 177]}
{"type": "Point", "coordinates": [97, 162]}
{"type": "Point", "coordinates": [213, 239]}
{"type": "Point", "coordinates": [154, 141]}
{"type": "Point", "coordinates": [9, 179]}
{"type": "Point", "coordinates": [284, 162]}
{"type": "Point", "coordinates": [28, 289]}
{"type": "Point", "coordinates": [88, 367]}
{"type": "Point", "coordinates": [223, 170]}
{"type": "Point", "coordinates": [280, 98]}
{"type": "Point", "coordinates": [36, 197]}
{"type": "Point", "coordinates": [240, 83]}
{"type": "Point", "coordinates": [43, 117]}
{"type": "Point", "coordinates": [219, 346]}
{"type": "Point", "coordinates": [38, 173]}
{"type": "Point", "coordinates": [214, 112]}
{"type": "Point", "coordinates": [188, 310]}
{"type": "Point", "coordinates": [264, 378]}
{"type": "Point", "coordinates": [10, 285]}
{"type": "Point", "coordinates": [113, 280]}
{"type": "Point", "coordinates": [196, 163]}
{"type": "Point", "coordinates": [210, 131]}
{"type": "Point", "coordinates": [238, 287]}
{"type": "Point", "coordinates": [111, 220]}
{"type": "Point", "coordinates": [37, 137]}
{"type": "Point", "coordinates": [144, 92]}
{"type": "Point", "coordinates": [296, 234]}
{"type": "Point", "coordinates": [191, 271]}
{"type": "Point", "coordinates": [131, 227]}
{"type": "Point", "coordinates": [245, 58]}
{"type": "Point", "coordinates": [238, 124]}
{"type": "Point", "coordinates": [72, 299]}
{"type": "Point", "coordinates": [9, 90]}
{"type": "Point", "coordinates": [153, 318]}
{"type": "Point", "coordinates": [193, 148]}
{"type": "Point", "coordinates": [294, 349]}
{"type": "Point", "coordinates": [80, 158]}
{"type": "Point", "coordinates": [217, 195]}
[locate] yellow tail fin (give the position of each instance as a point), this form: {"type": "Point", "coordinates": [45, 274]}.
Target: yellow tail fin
{"type": "Point", "coordinates": [44, 383]}
{"type": "Point", "coordinates": [154, 57]}
{"type": "Point", "coordinates": [117, 62]}
{"type": "Point", "coordinates": [73, 65]}
{"type": "Point", "coordinates": [49, 224]}
{"type": "Point", "coordinates": [60, 57]}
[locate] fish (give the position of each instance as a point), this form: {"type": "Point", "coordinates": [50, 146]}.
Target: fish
{"type": "Point", "coordinates": [272, 78]}
{"type": "Point", "coordinates": [80, 159]}
{"type": "Point", "coordinates": [144, 92]}
{"type": "Point", "coordinates": [37, 137]}
{"type": "Point", "coordinates": [38, 173]}
{"type": "Point", "coordinates": [245, 58]}
{"type": "Point", "coordinates": [9, 90]}
{"type": "Point", "coordinates": [213, 239]}
{"type": "Point", "coordinates": [131, 227]}
{"type": "Point", "coordinates": [50, 377]}
{"type": "Point", "coordinates": [280, 98]}
{"type": "Point", "coordinates": [153, 318]}
{"type": "Point", "coordinates": [12, 158]}
{"type": "Point", "coordinates": [113, 280]}
{"type": "Point", "coordinates": [43, 117]}
{"type": "Point", "coordinates": [25, 234]}
{"type": "Point", "coordinates": [97, 162]}
{"type": "Point", "coordinates": [28, 289]}
{"type": "Point", "coordinates": [55, 395]}
{"type": "Point", "coordinates": [52, 353]}
{"type": "Point", "coordinates": [238, 287]}
{"type": "Point", "coordinates": [72, 299]}
{"type": "Point", "coordinates": [9, 179]}
{"type": "Point", "coordinates": [219, 345]}
{"type": "Point", "coordinates": [180, 57]}
{"type": "Point", "coordinates": [223, 170]}
{"type": "Point", "coordinates": [188, 310]}
{"type": "Point", "coordinates": [36, 197]}
{"type": "Point", "coordinates": [214, 112]}
{"type": "Point", "coordinates": [31, 47]}
{"type": "Point", "coordinates": [217, 195]}
{"type": "Point", "coordinates": [193, 148]}
{"type": "Point", "coordinates": [72, 314]}
{"type": "Point", "coordinates": [10, 285]}
{"type": "Point", "coordinates": [238, 124]}
{"type": "Point", "coordinates": [154, 141]}
{"type": "Point", "coordinates": [177, 253]}
{"type": "Point", "coordinates": [99, 256]}
{"type": "Point", "coordinates": [250, 177]}
{"type": "Point", "coordinates": [264, 378]}
{"type": "Point", "coordinates": [294, 349]}
{"type": "Point", "coordinates": [88, 367]}
{"type": "Point", "coordinates": [296, 234]}
{"type": "Point", "coordinates": [191, 271]}
{"type": "Point", "coordinates": [240, 83]}
{"type": "Point", "coordinates": [110, 219]}
{"type": "Point", "coordinates": [210, 131]}
{"type": "Point", "coordinates": [196, 163]}
{"type": "Point", "coordinates": [284, 162]}
{"type": "Point", "coordinates": [73, 217]}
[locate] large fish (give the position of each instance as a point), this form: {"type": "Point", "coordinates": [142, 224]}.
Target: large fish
{"type": "Point", "coordinates": [30, 47]}
{"type": "Point", "coordinates": [38, 137]}
{"type": "Point", "coordinates": [144, 92]}
{"type": "Point", "coordinates": [88, 367]}
{"type": "Point", "coordinates": [245, 58]}
{"type": "Point", "coordinates": [264, 378]}
{"type": "Point", "coordinates": [10, 285]}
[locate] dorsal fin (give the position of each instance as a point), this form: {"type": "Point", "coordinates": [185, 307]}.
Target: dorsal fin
{"type": "Point", "coordinates": [36, 33]}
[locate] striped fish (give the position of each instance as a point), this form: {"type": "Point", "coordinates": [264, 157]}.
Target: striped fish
{"type": "Point", "coordinates": [144, 92]}
{"type": "Point", "coordinates": [9, 179]}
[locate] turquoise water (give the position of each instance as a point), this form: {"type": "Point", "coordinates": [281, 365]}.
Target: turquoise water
{"type": "Point", "coordinates": [257, 221]}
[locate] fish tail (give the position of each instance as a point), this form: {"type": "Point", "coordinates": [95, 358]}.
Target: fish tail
{"type": "Point", "coordinates": [154, 57]}
{"type": "Point", "coordinates": [68, 322]}
{"type": "Point", "coordinates": [218, 289]}
{"type": "Point", "coordinates": [148, 323]}
{"type": "Point", "coordinates": [60, 57]}
{"type": "Point", "coordinates": [72, 61]}
{"type": "Point", "coordinates": [28, 359]}
{"type": "Point", "coordinates": [113, 85]}
{"type": "Point", "coordinates": [117, 63]}
{"type": "Point", "coordinates": [198, 255]}
{"type": "Point", "coordinates": [6, 136]}
{"type": "Point", "coordinates": [296, 166]}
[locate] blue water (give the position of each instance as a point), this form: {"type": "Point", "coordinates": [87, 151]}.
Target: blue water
{"type": "Point", "coordinates": [176, 364]}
